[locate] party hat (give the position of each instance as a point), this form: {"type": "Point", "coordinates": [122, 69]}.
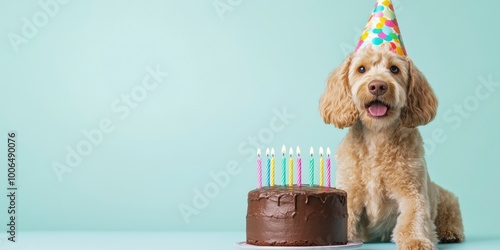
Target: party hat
{"type": "Point", "coordinates": [382, 27]}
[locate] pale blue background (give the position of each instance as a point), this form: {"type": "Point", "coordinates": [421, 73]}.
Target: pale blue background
{"type": "Point", "coordinates": [227, 75]}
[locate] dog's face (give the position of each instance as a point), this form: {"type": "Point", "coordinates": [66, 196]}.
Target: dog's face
{"type": "Point", "coordinates": [380, 88]}
{"type": "Point", "coordinates": [378, 80]}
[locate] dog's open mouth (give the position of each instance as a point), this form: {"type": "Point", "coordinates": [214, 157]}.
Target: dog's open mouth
{"type": "Point", "coordinates": [377, 108]}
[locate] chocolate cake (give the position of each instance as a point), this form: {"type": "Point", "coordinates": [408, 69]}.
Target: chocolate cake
{"type": "Point", "coordinates": [296, 216]}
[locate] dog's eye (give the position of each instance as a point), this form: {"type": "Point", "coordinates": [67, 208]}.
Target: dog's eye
{"type": "Point", "coordinates": [394, 69]}
{"type": "Point", "coordinates": [361, 69]}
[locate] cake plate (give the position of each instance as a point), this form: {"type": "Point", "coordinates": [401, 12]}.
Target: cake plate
{"type": "Point", "coordinates": [244, 245]}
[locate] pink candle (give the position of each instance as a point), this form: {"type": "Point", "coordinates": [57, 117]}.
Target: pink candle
{"type": "Point", "coordinates": [321, 168]}
{"type": "Point", "coordinates": [328, 169]}
{"type": "Point", "coordinates": [299, 168]}
{"type": "Point", "coordinates": [259, 169]}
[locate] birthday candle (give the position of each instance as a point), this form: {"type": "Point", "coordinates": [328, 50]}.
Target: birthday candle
{"type": "Point", "coordinates": [328, 170]}
{"type": "Point", "coordinates": [259, 169]}
{"type": "Point", "coordinates": [321, 167]}
{"type": "Point", "coordinates": [299, 168]}
{"type": "Point", "coordinates": [311, 167]}
{"type": "Point", "coordinates": [272, 167]}
{"type": "Point", "coordinates": [290, 168]}
{"type": "Point", "coordinates": [268, 168]}
{"type": "Point", "coordinates": [283, 165]}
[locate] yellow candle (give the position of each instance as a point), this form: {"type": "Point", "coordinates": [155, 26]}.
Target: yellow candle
{"type": "Point", "coordinates": [290, 168]}
{"type": "Point", "coordinates": [321, 167]}
{"type": "Point", "coordinates": [272, 167]}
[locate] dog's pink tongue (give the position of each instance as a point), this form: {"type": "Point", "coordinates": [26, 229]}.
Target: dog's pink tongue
{"type": "Point", "coordinates": [377, 109]}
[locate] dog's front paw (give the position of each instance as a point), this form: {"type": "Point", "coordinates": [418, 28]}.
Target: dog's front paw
{"type": "Point", "coordinates": [353, 230]}
{"type": "Point", "coordinates": [451, 237]}
{"type": "Point", "coordinates": [416, 244]}
{"type": "Point", "coordinates": [353, 237]}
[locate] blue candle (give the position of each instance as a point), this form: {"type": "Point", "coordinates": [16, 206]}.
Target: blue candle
{"type": "Point", "coordinates": [283, 165]}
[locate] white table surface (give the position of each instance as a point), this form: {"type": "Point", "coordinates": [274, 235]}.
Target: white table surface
{"type": "Point", "coordinates": [178, 240]}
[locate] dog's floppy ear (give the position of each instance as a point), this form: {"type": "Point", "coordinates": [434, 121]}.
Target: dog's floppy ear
{"type": "Point", "coordinates": [421, 102]}
{"type": "Point", "coordinates": [336, 105]}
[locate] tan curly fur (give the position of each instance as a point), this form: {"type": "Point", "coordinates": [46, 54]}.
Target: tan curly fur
{"type": "Point", "coordinates": [380, 162]}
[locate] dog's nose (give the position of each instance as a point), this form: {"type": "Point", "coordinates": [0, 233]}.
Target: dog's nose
{"type": "Point", "coordinates": [377, 88]}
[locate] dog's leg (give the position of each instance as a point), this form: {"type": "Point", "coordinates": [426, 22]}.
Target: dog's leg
{"type": "Point", "coordinates": [449, 219]}
{"type": "Point", "coordinates": [355, 206]}
{"type": "Point", "coordinates": [414, 228]}
{"type": "Point", "coordinates": [349, 179]}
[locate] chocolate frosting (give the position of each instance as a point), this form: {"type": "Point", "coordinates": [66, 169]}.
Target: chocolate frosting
{"type": "Point", "coordinates": [297, 216]}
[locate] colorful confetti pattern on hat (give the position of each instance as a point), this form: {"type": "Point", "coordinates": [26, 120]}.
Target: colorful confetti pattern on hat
{"type": "Point", "coordinates": [382, 27]}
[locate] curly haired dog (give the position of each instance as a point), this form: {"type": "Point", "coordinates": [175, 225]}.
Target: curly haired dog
{"type": "Point", "coordinates": [382, 97]}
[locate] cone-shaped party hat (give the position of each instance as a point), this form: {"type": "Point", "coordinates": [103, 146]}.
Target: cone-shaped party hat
{"type": "Point", "coordinates": [382, 27]}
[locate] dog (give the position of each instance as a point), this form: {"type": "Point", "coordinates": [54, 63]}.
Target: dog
{"type": "Point", "coordinates": [382, 97]}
